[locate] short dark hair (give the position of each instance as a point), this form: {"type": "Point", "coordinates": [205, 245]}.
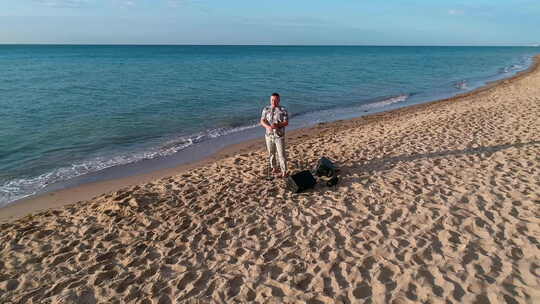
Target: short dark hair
{"type": "Point", "coordinates": [275, 94]}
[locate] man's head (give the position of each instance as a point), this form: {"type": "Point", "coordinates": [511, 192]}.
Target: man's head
{"type": "Point", "coordinates": [274, 99]}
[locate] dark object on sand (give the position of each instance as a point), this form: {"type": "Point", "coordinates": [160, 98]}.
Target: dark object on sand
{"type": "Point", "coordinates": [332, 182]}
{"type": "Point", "coordinates": [325, 167]}
{"type": "Point", "coordinates": [301, 181]}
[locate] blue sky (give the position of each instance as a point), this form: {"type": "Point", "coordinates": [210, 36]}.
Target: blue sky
{"type": "Point", "coordinates": [344, 22]}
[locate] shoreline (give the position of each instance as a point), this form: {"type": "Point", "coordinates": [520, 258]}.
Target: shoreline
{"type": "Point", "coordinates": [87, 191]}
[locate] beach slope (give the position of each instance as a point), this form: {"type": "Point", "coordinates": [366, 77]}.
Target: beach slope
{"type": "Point", "coordinates": [437, 203]}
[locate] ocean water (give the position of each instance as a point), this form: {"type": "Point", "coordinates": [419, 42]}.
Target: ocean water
{"type": "Point", "coordinates": [67, 111]}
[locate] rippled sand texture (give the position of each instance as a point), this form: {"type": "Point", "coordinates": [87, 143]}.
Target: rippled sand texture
{"type": "Point", "coordinates": [437, 204]}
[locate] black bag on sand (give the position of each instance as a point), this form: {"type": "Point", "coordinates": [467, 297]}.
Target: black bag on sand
{"type": "Point", "coordinates": [301, 181]}
{"type": "Point", "coordinates": [325, 167]}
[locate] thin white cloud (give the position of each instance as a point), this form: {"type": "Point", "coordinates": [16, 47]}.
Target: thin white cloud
{"type": "Point", "coordinates": [63, 3]}
{"type": "Point", "coordinates": [175, 3]}
{"type": "Point", "coordinates": [182, 3]}
{"type": "Point", "coordinates": [81, 3]}
{"type": "Point", "coordinates": [455, 12]}
{"type": "Point", "coordinates": [125, 3]}
{"type": "Point", "coordinates": [121, 3]}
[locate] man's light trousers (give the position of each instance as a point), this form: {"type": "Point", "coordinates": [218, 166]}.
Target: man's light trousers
{"type": "Point", "coordinates": [276, 145]}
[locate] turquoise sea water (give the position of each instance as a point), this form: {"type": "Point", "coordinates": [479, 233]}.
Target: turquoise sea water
{"type": "Point", "coordinates": [66, 111]}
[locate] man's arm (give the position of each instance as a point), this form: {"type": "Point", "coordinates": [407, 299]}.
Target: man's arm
{"type": "Point", "coordinates": [280, 125]}
{"type": "Point", "coordinates": [264, 122]}
{"type": "Point", "coordinates": [285, 119]}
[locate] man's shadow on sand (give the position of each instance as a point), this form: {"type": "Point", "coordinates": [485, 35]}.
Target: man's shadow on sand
{"type": "Point", "coordinates": [387, 163]}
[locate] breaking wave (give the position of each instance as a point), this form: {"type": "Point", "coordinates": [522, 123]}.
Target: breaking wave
{"type": "Point", "coordinates": [461, 85]}
{"type": "Point", "coordinates": [385, 102]}
{"type": "Point", "coordinates": [17, 189]}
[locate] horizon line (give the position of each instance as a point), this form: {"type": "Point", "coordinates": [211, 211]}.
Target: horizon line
{"type": "Point", "coordinates": [261, 44]}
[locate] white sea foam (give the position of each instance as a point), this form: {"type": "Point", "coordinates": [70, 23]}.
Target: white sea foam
{"type": "Point", "coordinates": [512, 68]}
{"type": "Point", "coordinates": [522, 65]}
{"type": "Point", "coordinates": [385, 102]}
{"type": "Point", "coordinates": [180, 143]}
{"type": "Point", "coordinates": [462, 85]}
{"type": "Point", "coordinates": [23, 187]}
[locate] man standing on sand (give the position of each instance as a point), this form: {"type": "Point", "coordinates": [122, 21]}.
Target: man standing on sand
{"type": "Point", "coordinates": [274, 119]}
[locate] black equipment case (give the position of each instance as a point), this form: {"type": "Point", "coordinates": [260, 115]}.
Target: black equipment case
{"type": "Point", "coordinates": [301, 181]}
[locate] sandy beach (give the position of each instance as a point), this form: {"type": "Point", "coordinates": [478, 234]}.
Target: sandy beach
{"type": "Point", "coordinates": [437, 203]}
